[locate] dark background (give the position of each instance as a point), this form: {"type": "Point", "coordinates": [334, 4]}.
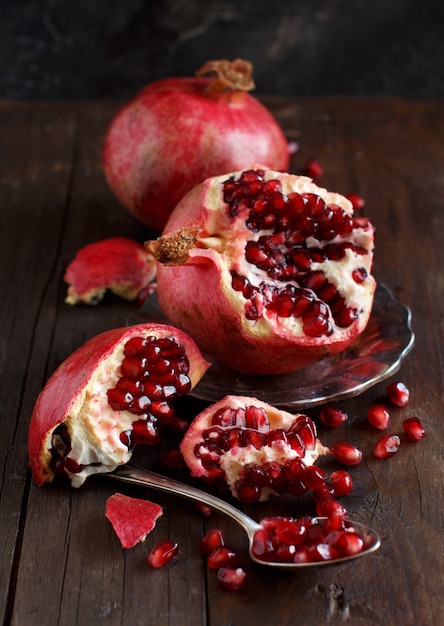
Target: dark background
{"type": "Point", "coordinates": [108, 49]}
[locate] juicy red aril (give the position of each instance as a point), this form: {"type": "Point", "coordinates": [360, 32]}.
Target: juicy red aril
{"type": "Point", "coordinates": [398, 393]}
{"type": "Point", "coordinates": [222, 557]}
{"type": "Point", "coordinates": [386, 446]}
{"type": "Point", "coordinates": [231, 578]}
{"type": "Point", "coordinates": [357, 201]}
{"type": "Point", "coordinates": [313, 168]}
{"type": "Point", "coordinates": [342, 482]}
{"type": "Point", "coordinates": [413, 428]}
{"type": "Point", "coordinates": [280, 249]}
{"type": "Point", "coordinates": [346, 453]}
{"type": "Point", "coordinates": [378, 416]}
{"type": "Point", "coordinates": [153, 372]}
{"type": "Point", "coordinates": [330, 416]}
{"type": "Point", "coordinates": [163, 552]}
{"type": "Point", "coordinates": [307, 539]}
{"type": "Point", "coordinates": [214, 538]}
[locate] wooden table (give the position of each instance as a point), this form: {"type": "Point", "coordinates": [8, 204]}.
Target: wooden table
{"type": "Point", "coordinates": [60, 560]}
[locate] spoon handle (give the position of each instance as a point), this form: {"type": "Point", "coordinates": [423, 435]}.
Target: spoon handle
{"type": "Point", "coordinates": [139, 476]}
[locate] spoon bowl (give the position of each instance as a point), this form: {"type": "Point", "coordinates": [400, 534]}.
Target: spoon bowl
{"type": "Point", "coordinates": [146, 478]}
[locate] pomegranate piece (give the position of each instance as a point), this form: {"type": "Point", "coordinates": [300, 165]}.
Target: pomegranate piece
{"type": "Point", "coordinates": [307, 539]}
{"type": "Point", "coordinates": [231, 578]}
{"type": "Point", "coordinates": [313, 168]}
{"type": "Point", "coordinates": [286, 269]}
{"type": "Point", "coordinates": [253, 449]}
{"type": "Point", "coordinates": [386, 446]}
{"type": "Point", "coordinates": [131, 518]}
{"type": "Point", "coordinates": [357, 201]}
{"type": "Point", "coordinates": [119, 264]}
{"type": "Point", "coordinates": [214, 538]}
{"type": "Point", "coordinates": [378, 416]}
{"type": "Point", "coordinates": [115, 391]}
{"type": "Point", "coordinates": [222, 557]}
{"type": "Point", "coordinates": [346, 453]}
{"type": "Point", "coordinates": [413, 428]}
{"type": "Point", "coordinates": [162, 553]}
{"type": "Point", "coordinates": [176, 132]}
{"type": "Point", "coordinates": [342, 482]}
{"type": "Point", "coordinates": [332, 417]}
{"type": "Point", "coordinates": [398, 393]}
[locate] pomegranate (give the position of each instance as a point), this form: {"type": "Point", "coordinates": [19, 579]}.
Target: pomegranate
{"type": "Point", "coordinates": [115, 391]}
{"type": "Point", "coordinates": [176, 132]}
{"type": "Point", "coordinates": [308, 539]}
{"type": "Point", "coordinates": [378, 416]}
{"type": "Point", "coordinates": [266, 271]}
{"type": "Point", "coordinates": [398, 393]}
{"type": "Point", "coordinates": [162, 553]}
{"type": "Point", "coordinates": [386, 446]}
{"type": "Point", "coordinates": [119, 264]}
{"type": "Point", "coordinates": [131, 518]}
{"type": "Point", "coordinates": [252, 448]}
{"type": "Point", "coordinates": [231, 578]}
{"type": "Point", "coordinates": [413, 428]}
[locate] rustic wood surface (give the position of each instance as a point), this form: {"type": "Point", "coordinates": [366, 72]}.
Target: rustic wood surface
{"type": "Point", "coordinates": [60, 560]}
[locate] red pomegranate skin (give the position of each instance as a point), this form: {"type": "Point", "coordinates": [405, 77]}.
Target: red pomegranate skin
{"type": "Point", "coordinates": [61, 393]}
{"type": "Point", "coordinates": [173, 134]}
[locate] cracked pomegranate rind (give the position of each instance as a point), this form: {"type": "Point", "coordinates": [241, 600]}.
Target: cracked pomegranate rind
{"type": "Point", "coordinates": [252, 448]}
{"type": "Point", "coordinates": [176, 132]}
{"type": "Point", "coordinates": [132, 518]}
{"type": "Point", "coordinates": [119, 264]}
{"type": "Point", "coordinates": [112, 393]}
{"type": "Point", "coordinates": [285, 266]}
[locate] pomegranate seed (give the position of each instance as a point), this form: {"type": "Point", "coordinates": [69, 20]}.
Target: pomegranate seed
{"type": "Point", "coordinates": [398, 393]}
{"type": "Point", "coordinates": [413, 428]}
{"type": "Point", "coordinates": [378, 416]}
{"type": "Point", "coordinates": [346, 453]}
{"type": "Point", "coordinates": [230, 578]}
{"type": "Point", "coordinates": [387, 446]}
{"type": "Point", "coordinates": [357, 202]}
{"type": "Point", "coordinates": [313, 168]}
{"type": "Point", "coordinates": [348, 543]}
{"type": "Point", "coordinates": [341, 482]}
{"type": "Point", "coordinates": [332, 417]}
{"type": "Point", "coordinates": [163, 552]}
{"type": "Point", "coordinates": [222, 557]}
{"type": "Point", "coordinates": [202, 508]}
{"type": "Point", "coordinates": [314, 477]}
{"type": "Point", "coordinates": [214, 538]}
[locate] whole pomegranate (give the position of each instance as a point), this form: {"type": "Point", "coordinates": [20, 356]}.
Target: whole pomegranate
{"type": "Point", "coordinates": [115, 391]}
{"type": "Point", "coordinates": [253, 448]}
{"type": "Point", "coordinates": [265, 270]}
{"type": "Point", "coordinates": [176, 132]}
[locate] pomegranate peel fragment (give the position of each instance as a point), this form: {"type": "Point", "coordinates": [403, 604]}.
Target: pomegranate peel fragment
{"type": "Point", "coordinates": [119, 264]}
{"type": "Point", "coordinates": [101, 401]}
{"type": "Point", "coordinates": [132, 518]}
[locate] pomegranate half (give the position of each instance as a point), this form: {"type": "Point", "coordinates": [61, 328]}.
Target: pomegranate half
{"type": "Point", "coordinates": [265, 270]}
{"type": "Point", "coordinates": [176, 132]}
{"type": "Point", "coordinates": [253, 448]}
{"type": "Point", "coordinates": [112, 393]}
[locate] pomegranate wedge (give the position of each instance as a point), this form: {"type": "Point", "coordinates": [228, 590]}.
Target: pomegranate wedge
{"type": "Point", "coordinates": [286, 269]}
{"type": "Point", "coordinates": [112, 393]}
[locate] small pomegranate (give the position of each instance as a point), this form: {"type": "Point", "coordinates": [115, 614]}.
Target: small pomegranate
{"type": "Point", "coordinates": [119, 264]}
{"type": "Point", "coordinates": [115, 391]}
{"type": "Point", "coordinates": [286, 270]}
{"type": "Point", "coordinates": [252, 448]}
{"type": "Point", "coordinates": [176, 132]}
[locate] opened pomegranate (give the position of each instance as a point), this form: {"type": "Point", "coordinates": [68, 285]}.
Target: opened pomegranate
{"type": "Point", "coordinates": [252, 448]}
{"type": "Point", "coordinates": [119, 264]}
{"type": "Point", "coordinates": [265, 270]}
{"type": "Point", "coordinates": [114, 392]}
{"type": "Point", "coordinates": [176, 132]}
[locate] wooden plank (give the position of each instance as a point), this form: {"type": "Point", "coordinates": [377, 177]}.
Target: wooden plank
{"type": "Point", "coordinates": [61, 563]}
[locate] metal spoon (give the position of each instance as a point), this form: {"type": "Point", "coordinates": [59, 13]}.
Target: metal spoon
{"type": "Point", "coordinates": [139, 476]}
